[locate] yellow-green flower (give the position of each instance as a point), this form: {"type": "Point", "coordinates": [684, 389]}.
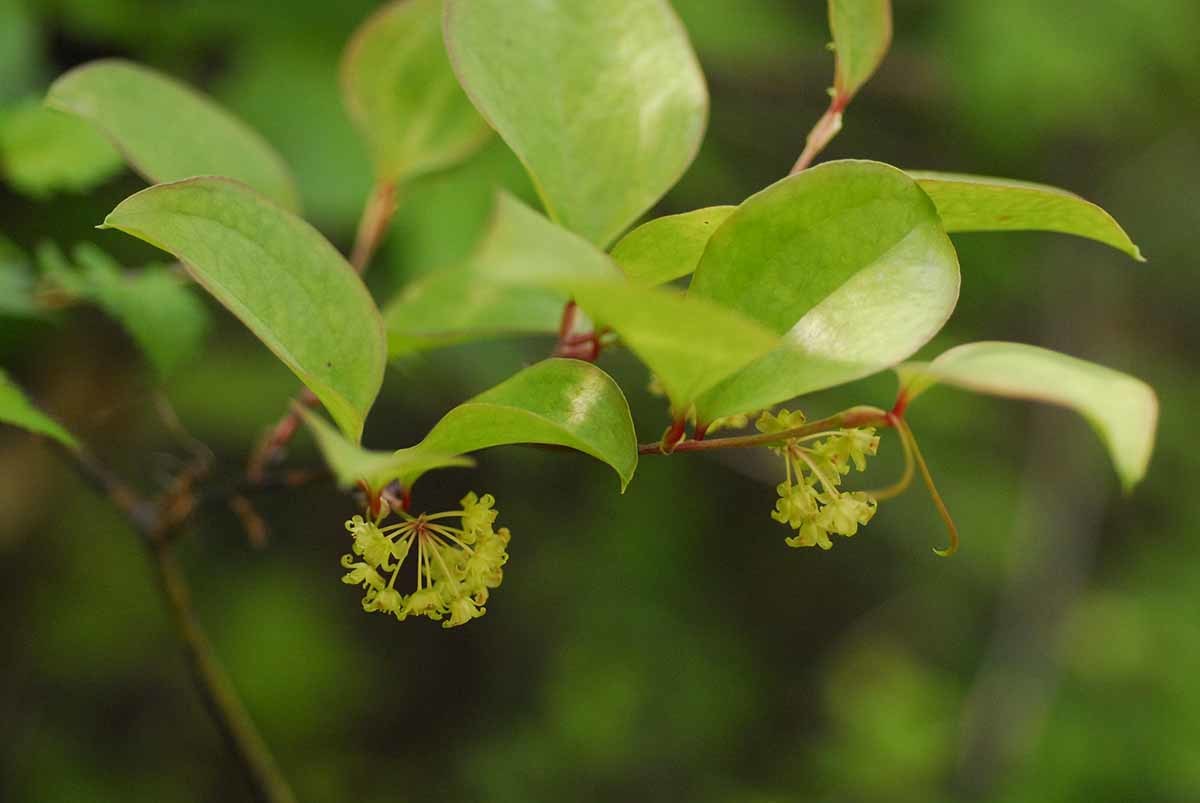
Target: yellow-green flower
{"type": "Point", "coordinates": [456, 566]}
{"type": "Point", "coordinates": [810, 499]}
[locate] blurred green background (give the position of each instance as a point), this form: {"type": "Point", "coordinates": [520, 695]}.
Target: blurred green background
{"type": "Point", "coordinates": [664, 644]}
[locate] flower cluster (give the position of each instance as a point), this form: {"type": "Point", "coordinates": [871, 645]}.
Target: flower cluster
{"type": "Point", "coordinates": [810, 501]}
{"type": "Point", "coordinates": [455, 566]}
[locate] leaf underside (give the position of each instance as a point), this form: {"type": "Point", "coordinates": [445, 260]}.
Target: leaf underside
{"type": "Point", "coordinates": [1123, 410]}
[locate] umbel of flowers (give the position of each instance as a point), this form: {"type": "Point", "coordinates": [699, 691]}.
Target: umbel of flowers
{"type": "Point", "coordinates": [455, 566]}
{"type": "Point", "coordinates": [811, 501]}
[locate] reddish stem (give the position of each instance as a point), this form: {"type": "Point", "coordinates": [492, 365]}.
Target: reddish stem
{"type": "Point", "coordinates": [582, 346]}
{"type": "Point", "coordinates": [673, 436]}
{"type": "Point", "coordinates": [822, 133]}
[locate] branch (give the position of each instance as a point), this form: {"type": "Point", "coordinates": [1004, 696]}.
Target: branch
{"type": "Point", "coordinates": [151, 520]}
{"type": "Point", "coordinates": [854, 417]}
{"type": "Point", "coordinates": [220, 697]}
{"type": "Point", "coordinates": [822, 133]}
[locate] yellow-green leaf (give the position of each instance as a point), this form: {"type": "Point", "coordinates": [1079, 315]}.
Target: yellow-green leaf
{"type": "Point", "coordinates": [402, 93]}
{"type": "Point", "coordinates": [513, 284]}
{"type": "Point", "coordinates": [980, 203]}
{"type": "Point", "coordinates": [279, 276]}
{"type": "Point", "coordinates": [1122, 409]}
{"type": "Point", "coordinates": [690, 344]}
{"type": "Point", "coordinates": [602, 100]}
{"type": "Point", "coordinates": [17, 410]}
{"type": "Point", "coordinates": [862, 34]}
{"type": "Point", "coordinates": [556, 402]}
{"type": "Point", "coordinates": [350, 463]}
{"type": "Point", "coordinates": [43, 151]}
{"type": "Point", "coordinates": [848, 261]}
{"type": "Point", "coordinates": [667, 248]}
{"type": "Point", "coordinates": [167, 131]}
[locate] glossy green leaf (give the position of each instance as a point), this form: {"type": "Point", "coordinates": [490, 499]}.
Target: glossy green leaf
{"type": "Point", "coordinates": [556, 402]}
{"type": "Point", "coordinates": [350, 463]}
{"type": "Point", "coordinates": [862, 34]}
{"type": "Point", "coordinates": [402, 93]}
{"type": "Point", "coordinates": [1122, 409]}
{"type": "Point", "coordinates": [667, 248]}
{"type": "Point", "coordinates": [279, 276]}
{"type": "Point", "coordinates": [848, 260]}
{"type": "Point", "coordinates": [43, 151]}
{"type": "Point", "coordinates": [515, 283]}
{"type": "Point", "coordinates": [979, 203]}
{"type": "Point", "coordinates": [17, 410]}
{"type": "Point", "coordinates": [156, 307]}
{"type": "Point", "coordinates": [168, 131]}
{"type": "Point", "coordinates": [603, 101]}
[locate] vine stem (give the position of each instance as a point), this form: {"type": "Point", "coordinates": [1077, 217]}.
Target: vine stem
{"type": "Point", "coordinates": [861, 416]}
{"type": "Point", "coordinates": [148, 519]}
{"type": "Point", "coordinates": [822, 133]}
{"type": "Point", "coordinates": [372, 226]}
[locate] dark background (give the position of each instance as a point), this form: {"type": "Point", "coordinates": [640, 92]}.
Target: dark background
{"type": "Point", "coordinates": [664, 644]}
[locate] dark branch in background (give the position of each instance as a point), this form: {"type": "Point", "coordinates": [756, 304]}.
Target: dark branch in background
{"type": "Point", "coordinates": [156, 521]}
{"type": "Point", "coordinates": [372, 227]}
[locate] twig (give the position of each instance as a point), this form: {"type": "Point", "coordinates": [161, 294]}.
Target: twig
{"type": "Point", "coordinates": [822, 133]}
{"type": "Point", "coordinates": [220, 697]}
{"type": "Point", "coordinates": [373, 224]}
{"type": "Point", "coordinates": [584, 346]}
{"type": "Point", "coordinates": [153, 521]}
{"type": "Point", "coordinates": [854, 417]}
{"type": "Point", "coordinates": [372, 227]}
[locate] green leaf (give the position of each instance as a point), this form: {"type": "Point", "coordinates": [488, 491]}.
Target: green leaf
{"type": "Point", "coordinates": [351, 463]}
{"type": "Point", "coordinates": [403, 96]}
{"type": "Point", "coordinates": [668, 247]}
{"type": "Point", "coordinates": [847, 260]}
{"type": "Point", "coordinates": [523, 246]}
{"type": "Point", "coordinates": [17, 410]}
{"type": "Point", "coordinates": [455, 305]}
{"type": "Point", "coordinates": [526, 268]}
{"type": "Point", "coordinates": [862, 34]}
{"type": "Point", "coordinates": [279, 276]}
{"type": "Point", "coordinates": [603, 101]}
{"type": "Point", "coordinates": [979, 203]}
{"type": "Point", "coordinates": [155, 306]}
{"type": "Point", "coordinates": [516, 282]}
{"type": "Point", "coordinates": [690, 344]}
{"type": "Point", "coordinates": [556, 402]}
{"type": "Point", "coordinates": [1122, 409]}
{"type": "Point", "coordinates": [168, 131]}
{"type": "Point", "coordinates": [43, 151]}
